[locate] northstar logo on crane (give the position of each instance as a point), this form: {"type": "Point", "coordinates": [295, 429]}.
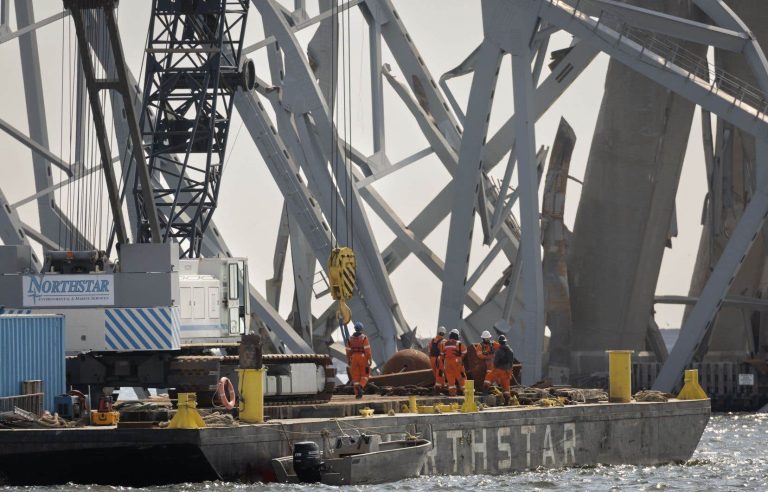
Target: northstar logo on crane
{"type": "Point", "coordinates": [40, 287]}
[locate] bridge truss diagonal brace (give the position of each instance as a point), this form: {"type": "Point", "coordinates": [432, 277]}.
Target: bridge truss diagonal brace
{"type": "Point", "coordinates": [507, 29]}
{"type": "Point", "coordinates": [52, 218]}
{"type": "Point", "coordinates": [465, 184]}
{"type": "Point", "coordinates": [701, 92]}
{"type": "Point", "coordinates": [35, 147]}
{"type": "Point", "coordinates": [302, 97]}
{"type": "Point", "coordinates": [701, 318]}
{"type": "Point", "coordinates": [414, 70]}
{"type": "Point", "coordinates": [530, 240]}
{"type": "Point", "coordinates": [570, 67]}
{"type": "Point", "coordinates": [574, 63]}
{"type": "Point", "coordinates": [656, 67]}
{"type": "Point", "coordinates": [722, 14]}
{"type": "Point", "coordinates": [304, 209]}
{"type": "Point", "coordinates": [677, 27]}
{"type": "Point", "coordinates": [12, 230]}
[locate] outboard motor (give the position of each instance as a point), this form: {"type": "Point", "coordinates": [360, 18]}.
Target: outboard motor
{"type": "Point", "coordinates": [307, 461]}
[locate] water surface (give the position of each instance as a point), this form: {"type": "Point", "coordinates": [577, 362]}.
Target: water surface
{"type": "Point", "coordinates": [732, 455]}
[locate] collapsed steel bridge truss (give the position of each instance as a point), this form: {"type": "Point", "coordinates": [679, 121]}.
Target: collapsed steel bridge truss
{"type": "Point", "coordinates": [298, 144]}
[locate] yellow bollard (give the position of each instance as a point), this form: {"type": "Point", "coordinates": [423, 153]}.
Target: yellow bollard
{"type": "Point", "coordinates": [186, 416]}
{"type": "Point", "coordinates": [412, 407]}
{"type": "Point", "coordinates": [469, 405]}
{"type": "Point", "coordinates": [251, 387]}
{"type": "Point", "coordinates": [692, 390]}
{"type": "Point", "coordinates": [620, 376]}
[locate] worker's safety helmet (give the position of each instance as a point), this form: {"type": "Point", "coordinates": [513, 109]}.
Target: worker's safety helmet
{"type": "Point", "coordinates": [486, 335]}
{"type": "Point", "coordinates": [441, 330]}
{"type": "Point", "coordinates": [454, 335]}
{"type": "Point", "coordinates": [502, 339]}
{"type": "Point", "coordinates": [358, 326]}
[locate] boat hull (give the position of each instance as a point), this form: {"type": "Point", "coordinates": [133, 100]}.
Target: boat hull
{"type": "Point", "coordinates": [488, 442]}
{"type": "Point", "coordinates": [396, 460]}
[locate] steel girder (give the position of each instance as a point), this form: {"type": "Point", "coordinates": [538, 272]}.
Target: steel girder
{"type": "Point", "coordinates": [507, 29]}
{"type": "Point", "coordinates": [694, 82]}
{"type": "Point", "coordinates": [659, 68]}
{"type": "Point", "coordinates": [301, 96]}
{"type": "Point", "coordinates": [414, 70]}
{"type": "Point", "coordinates": [466, 184]}
{"type": "Point", "coordinates": [33, 91]}
{"type": "Point", "coordinates": [53, 222]}
{"type": "Point", "coordinates": [12, 229]}
{"type": "Point", "coordinates": [569, 68]}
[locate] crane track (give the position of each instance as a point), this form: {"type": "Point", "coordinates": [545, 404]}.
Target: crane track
{"type": "Point", "coordinates": [198, 364]}
{"type": "Point", "coordinates": [321, 359]}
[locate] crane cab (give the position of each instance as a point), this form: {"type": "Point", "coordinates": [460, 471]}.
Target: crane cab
{"type": "Point", "coordinates": [213, 299]}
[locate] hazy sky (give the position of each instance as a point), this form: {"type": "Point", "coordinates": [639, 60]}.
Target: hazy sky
{"type": "Point", "coordinates": [445, 32]}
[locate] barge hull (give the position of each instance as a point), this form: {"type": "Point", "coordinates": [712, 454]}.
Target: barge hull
{"type": "Point", "coordinates": [489, 442]}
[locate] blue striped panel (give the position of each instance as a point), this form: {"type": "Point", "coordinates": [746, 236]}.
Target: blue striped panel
{"type": "Point", "coordinates": [176, 312]}
{"type": "Point", "coordinates": [160, 320]}
{"type": "Point", "coordinates": [161, 332]}
{"type": "Point", "coordinates": [15, 311]}
{"type": "Point", "coordinates": [141, 329]}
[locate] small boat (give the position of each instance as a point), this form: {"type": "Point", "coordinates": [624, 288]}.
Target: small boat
{"type": "Point", "coordinates": [349, 460]}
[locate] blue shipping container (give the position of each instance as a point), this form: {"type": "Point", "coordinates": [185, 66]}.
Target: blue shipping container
{"type": "Point", "coordinates": [32, 347]}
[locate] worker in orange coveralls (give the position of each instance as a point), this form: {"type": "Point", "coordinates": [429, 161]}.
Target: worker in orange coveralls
{"type": "Point", "coordinates": [452, 353]}
{"type": "Point", "coordinates": [434, 358]}
{"type": "Point", "coordinates": [359, 359]}
{"type": "Point", "coordinates": [503, 362]}
{"type": "Point", "coordinates": [485, 351]}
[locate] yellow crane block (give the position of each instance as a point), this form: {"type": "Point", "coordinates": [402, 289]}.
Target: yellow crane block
{"type": "Point", "coordinates": [341, 276]}
{"type": "Point", "coordinates": [341, 273]}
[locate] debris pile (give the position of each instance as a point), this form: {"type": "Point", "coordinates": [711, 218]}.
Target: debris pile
{"type": "Point", "coordinates": [652, 396]}
{"type": "Point", "coordinates": [21, 419]}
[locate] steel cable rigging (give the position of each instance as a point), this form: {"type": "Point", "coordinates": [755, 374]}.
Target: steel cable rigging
{"type": "Point", "coordinates": [342, 262]}
{"type": "Point", "coordinates": [83, 219]}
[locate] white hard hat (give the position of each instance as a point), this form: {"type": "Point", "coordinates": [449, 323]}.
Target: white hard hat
{"type": "Point", "coordinates": [441, 330]}
{"type": "Point", "coordinates": [454, 332]}
{"type": "Point", "coordinates": [486, 335]}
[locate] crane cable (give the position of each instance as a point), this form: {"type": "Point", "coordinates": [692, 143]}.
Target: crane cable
{"type": "Point", "coordinates": [61, 130]}
{"type": "Point", "coordinates": [341, 263]}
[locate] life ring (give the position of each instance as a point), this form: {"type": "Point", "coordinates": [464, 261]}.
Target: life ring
{"type": "Point", "coordinates": [227, 393]}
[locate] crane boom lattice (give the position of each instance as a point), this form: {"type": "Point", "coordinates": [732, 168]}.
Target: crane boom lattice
{"type": "Point", "coordinates": [193, 68]}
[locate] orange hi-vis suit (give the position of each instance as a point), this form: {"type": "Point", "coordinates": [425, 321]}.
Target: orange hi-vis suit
{"type": "Point", "coordinates": [453, 352]}
{"type": "Point", "coordinates": [503, 361]}
{"type": "Point", "coordinates": [485, 352]}
{"type": "Point", "coordinates": [434, 360]}
{"type": "Point", "coordinates": [359, 360]}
